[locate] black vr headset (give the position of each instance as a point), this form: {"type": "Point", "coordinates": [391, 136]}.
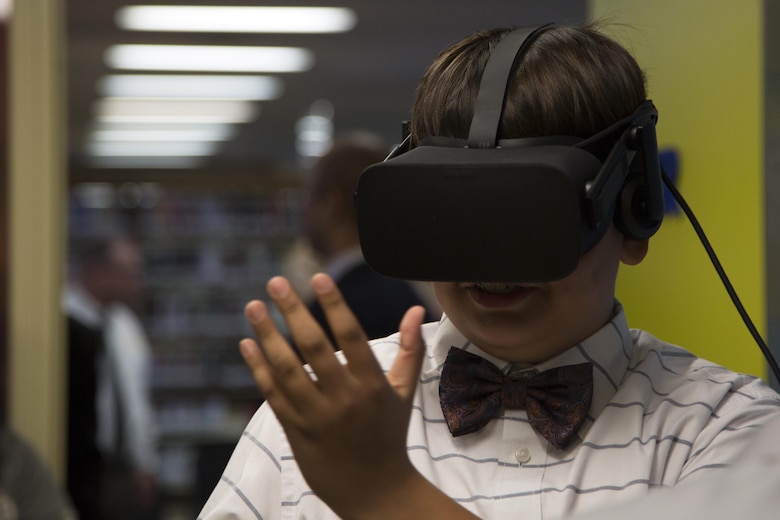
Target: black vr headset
{"type": "Point", "coordinates": [508, 210]}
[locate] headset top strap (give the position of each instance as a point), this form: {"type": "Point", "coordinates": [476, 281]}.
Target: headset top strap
{"type": "Point", "coordinates": [489, 105]}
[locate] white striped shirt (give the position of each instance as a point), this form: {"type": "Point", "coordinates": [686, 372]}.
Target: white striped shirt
{"type": "Point", "coordinates": [749, 489]}
{"type": "Point", "coordinates": [659, 416]}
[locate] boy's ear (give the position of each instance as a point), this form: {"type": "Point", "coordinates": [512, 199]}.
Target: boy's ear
{"type": "Point", "coordinates": [633, 250]}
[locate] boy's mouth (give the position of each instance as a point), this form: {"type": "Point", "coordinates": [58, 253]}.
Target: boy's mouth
{"type": "Point", "coordinates": [498, 295]}
{"type": "Point", "coordinates": [498, 288]}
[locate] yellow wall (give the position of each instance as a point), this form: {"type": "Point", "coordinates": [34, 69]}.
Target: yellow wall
{"type": "Point", "coordinates": [703, 61]}
{"type": "Point", "coordinates": [36, 211]}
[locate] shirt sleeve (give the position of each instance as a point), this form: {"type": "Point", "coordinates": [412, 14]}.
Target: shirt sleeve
{"type": "Point", "coordinates": [27, 483]}
{"type": "Point", "coordinates": [731, 430]}
{"type": "Point", "coordinates": [748, 490]}
{"type": "Point", "coordinates": [250, 486]}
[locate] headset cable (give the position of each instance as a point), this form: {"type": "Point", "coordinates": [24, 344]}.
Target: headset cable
{"type": "Point", "coordinates": [724, 278]}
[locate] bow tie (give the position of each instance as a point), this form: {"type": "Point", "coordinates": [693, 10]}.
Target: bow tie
{"type": "Point", "coordinates": [472, 390]}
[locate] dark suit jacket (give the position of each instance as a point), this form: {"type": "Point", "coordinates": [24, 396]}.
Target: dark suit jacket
{"type": "Point", "coordinates": [100, 482]}
{"type": "Point", "coordinates": [84, 459]}
{"type": "Point", "coordinates": [377, 301]}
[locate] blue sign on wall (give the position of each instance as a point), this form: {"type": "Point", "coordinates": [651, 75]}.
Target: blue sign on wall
{"type": "Point", "coordinates": [669, 159]}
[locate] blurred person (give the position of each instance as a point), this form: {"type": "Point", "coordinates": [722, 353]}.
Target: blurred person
{"type": "Point", "coordinates": [27, 488]}
{"type": "Point", "coordinates": [330, 226]}
{"type": "Point", "coordinates": [112, 458]}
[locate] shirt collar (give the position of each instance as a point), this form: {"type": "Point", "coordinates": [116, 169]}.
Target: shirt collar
{"type": "Point", "coordinates": [81, 305]}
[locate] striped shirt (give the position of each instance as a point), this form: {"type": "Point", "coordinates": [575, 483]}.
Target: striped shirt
{"type": "Point", "coordinates": [749, 489]}
{"type": "Point", "coordinates": [659, 416]}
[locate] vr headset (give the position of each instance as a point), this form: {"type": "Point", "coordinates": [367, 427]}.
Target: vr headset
{"type": "Point", "coordinates": [516, 210]}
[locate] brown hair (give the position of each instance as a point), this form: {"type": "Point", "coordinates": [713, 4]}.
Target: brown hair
{"type": "Point", "coordinates": [572, 81]}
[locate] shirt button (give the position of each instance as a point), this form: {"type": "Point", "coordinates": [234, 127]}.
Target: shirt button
{"type": "Point", "coordinates": [522, 455]}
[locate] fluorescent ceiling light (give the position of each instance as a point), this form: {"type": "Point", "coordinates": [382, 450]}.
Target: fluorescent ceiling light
{"type": "Point", "coordinates": [214, 133]}
{"type": "Point", "coordinates": [211, 58]}
{"type": "Point", "coordinates": [131, 110]}
{"type": "Point", "coordinates": [245, 19]}
{"type": "Point", "coordinates": [152, 149]}
{"type": "Point", "coordinates": [145, 162]}
{"type": "Point", "coordinates": [256, 88]}
{"type": "Point", "coordinates": [208, 131]}
{"type": "Point", "coordinates": [148, 127]}
{"type": "Point", "coordinates": [6, 7]}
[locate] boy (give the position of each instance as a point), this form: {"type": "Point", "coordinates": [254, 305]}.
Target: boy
{"type": "Point", "coordinates": [384, 435]}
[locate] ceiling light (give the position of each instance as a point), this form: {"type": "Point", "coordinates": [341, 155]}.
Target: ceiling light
{"type": "Point", "coordinates": [314, 131]}
{"type": "Point", "coordinates": [6, 7]}
{"type": "Point", "coordinates": [163, 135]}
{"type": "Point", "coordinates": [129, 110]}
{"type": "Point", "coordinates": [256, 88]}
{"type": "Point", "coordinates": [212, 58]}
{"type": "Point", "coordinates": [244, 19]}
{"type": "Point", "coordinates": [152, 149]}
{"type": "Point", "coordinates": [145, 162]}
{"type": "Point", "coordinates": [147, 127]}
{"type": "Point", "coordinates": [174, 131]}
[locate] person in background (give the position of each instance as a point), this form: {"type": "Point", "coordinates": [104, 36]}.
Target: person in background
{"type": "Point", "coordinates": [330, 226]}
{"type": "Point", "coordinates": [528, 399]}
{"type": "Point", "coordinates": [27, 488]}
{"type": "Point", "coordinates": [111, 446]}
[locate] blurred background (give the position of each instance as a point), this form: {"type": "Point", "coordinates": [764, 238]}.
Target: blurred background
{"type": "Point", "coordinates": [202, 157]}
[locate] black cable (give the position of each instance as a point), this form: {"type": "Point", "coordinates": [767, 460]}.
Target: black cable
{"type": "Point", "coordinates": [725, 279]}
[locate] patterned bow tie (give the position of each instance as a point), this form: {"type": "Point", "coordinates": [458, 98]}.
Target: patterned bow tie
{"type": "Point", "coordinates": [472, 391]}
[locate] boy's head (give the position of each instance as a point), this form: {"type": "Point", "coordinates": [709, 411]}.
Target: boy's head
{"type": "Point", "coordinates": [571, 81]}
{"type": "Point", "coordinates": [546, 151]}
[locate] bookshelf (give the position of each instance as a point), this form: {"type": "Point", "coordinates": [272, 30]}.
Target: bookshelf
{"type": "Point", "coordinates": [208, 249]}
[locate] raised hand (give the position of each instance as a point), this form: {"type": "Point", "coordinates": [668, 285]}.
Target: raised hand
{"type": "Point", "coordinates": [347, 428]}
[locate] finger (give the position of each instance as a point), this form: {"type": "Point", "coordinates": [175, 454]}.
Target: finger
{"type": "Point", "coordinates": [265, 380]}
{"type": "Point", "coordinates": [305, 330]}
{"type": "Point", "coordinates": [289, 375]}
{"type": "Point", "coordinates": [346, 329]}
{"type": "Point", "coordinates": [311, 340]}
{"type": "Point", "coordinates": [405, 372]}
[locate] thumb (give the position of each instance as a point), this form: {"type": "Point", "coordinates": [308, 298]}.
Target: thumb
{"type": "Point", "coordinates": [406, 368]}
